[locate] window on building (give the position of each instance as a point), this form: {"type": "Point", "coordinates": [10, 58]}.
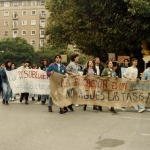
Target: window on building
{"type": "Point", "coordinates": [15, 4]}
{"type": "Point", "coordinates": [15, 33]}
{"type": "Point", "coordinates": [24, 22]}
{"type": "Point", "coordinates": [6, 13]}
{"type": "Point", "coordinates": [5, 33]}
{"type": "Point", "coordinates": [32, 42]}
{"type": "Point", "coordinates": [6, 4]}
{"type": "Point", "coordinates": [42, 33]}
{"type": "Point", "coordinates": [24, 32]}
{"type": "Point", "coordinates": [15, 24]}
{"type": "Point", "coordinates": [42, 23]}
{"type": "Point", "coordinates": [24, 3]}
{"type": "Point", "coordinates": [33, 12]}
{"type": "Point", "coordinates": [6, 23]}
{"type": "Point", "coordinates": [33, 22]}
{"type": "Point", "coordinates": [33, 3]}
{"type": "Point", "coordinates": [15, 14]}
{"type": "Point", "coordinates": [42, 3]}
{"type": "Point", "coordinates": [24, 13]}
{"type": "Point", "coordinates": [41, 42]}
{"type": "Point", "coordinates": [33, 32]}
{"type": "Point", "coordinates": [42, 12]}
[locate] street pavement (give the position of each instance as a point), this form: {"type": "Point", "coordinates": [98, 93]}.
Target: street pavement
{"type": "Point", "coordinates": [32, 127]}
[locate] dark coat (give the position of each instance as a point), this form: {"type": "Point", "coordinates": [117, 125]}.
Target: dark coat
{"type": "Point", "coordinates": [101, 68]}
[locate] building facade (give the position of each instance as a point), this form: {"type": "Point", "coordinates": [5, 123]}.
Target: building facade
{"type": "Point", "coordinates": [24, 18]}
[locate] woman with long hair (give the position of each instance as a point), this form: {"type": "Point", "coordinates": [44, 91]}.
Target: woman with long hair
{"type": "Point", "coordinates": [90, 72]}
{"type": "Point", "coordinates": [109, 72]}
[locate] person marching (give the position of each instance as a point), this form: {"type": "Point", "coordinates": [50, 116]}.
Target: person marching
{"type": "Point", "coordinates": [34, 66]}
{"type": "Point", "coordinates": [89, 71]}
{"type": "Point", "coordinates": [132, 74]}
{"type": "Point", "coordinates": [57, 66]}
{"type": "Point", "coordinates": [108, 71]}
{"type": "Point", "coordinates": [72, 69]}
{"type": "Point", "coordinates": [44, 67]}
{"type": "Point", "coordinates": [146, 76]}
{"type": "Point", "coordinates": [121, 72]}
{"type": "Point", "coordinates": [13, 97]}
{"type": "Point", "coordinates": [98, 68]}
{"type": "Point", "coordinates": [5, 84]}
{"type": "Point", "coordinates": [26, 65]}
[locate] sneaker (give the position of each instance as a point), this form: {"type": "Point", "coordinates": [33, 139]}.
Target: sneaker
{"type": "Point", "coordinates": [123, 108]}
{"type": "Point", "coordinates": [141, 110]}
{"type": "Point", "coordinates": [76, 105]}
{"type": "Point", "coordinates": [12, 99]}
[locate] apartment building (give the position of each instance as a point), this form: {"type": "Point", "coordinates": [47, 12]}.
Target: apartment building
{"type": "Point", "coordinates": [24, 18]}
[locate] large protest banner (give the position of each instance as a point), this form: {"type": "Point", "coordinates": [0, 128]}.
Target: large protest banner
{"type": "Point", "coordinates": [99, 91]}
{"type": "Point", "coordinates": [33, 81]}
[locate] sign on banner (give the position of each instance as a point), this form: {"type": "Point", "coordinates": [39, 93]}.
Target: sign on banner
{"type": "Point", "coordinates": [111, 57]}
{"type": "Point", "coordinates": [64, 58]}
{"type": "Point", "coordinates": [33, 81]}
{"type": "Point", "coordinates": [95, 90]}
{"type": "Point", "coordinates": [122, 58]}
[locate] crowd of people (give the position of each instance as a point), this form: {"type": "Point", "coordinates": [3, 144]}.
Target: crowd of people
{"type": "Point", "coordinates": [92, 68]}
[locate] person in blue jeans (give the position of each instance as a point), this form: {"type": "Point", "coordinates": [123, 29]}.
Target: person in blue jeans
{"type": "Point", "coordinates": [131, 73]}
{"type": "Point", "coordinates": [5, 83]}
{"type": "Point", "coordinates": [146, 76]}
{"type": "Point", "coordinates": [58, 67]}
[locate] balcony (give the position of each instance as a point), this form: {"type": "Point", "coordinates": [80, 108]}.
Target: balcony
{"type": "Point", "coordinates": [42, 16]}
{"type": "Point", "coordinates": [15, 27]}
{"type": "Point", "coordinates": [41, 36]}
{"type": "Point", "coordinates": [42, 26]}
{"type": "Point", "coordinates": [15, 17]}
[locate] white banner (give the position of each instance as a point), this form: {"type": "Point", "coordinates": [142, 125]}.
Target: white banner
{"type": "Point", "coordinates": [33, 81]}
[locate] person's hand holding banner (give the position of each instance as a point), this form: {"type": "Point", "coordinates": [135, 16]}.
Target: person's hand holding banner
{"type": "Point", "coordinates": [52, 72]}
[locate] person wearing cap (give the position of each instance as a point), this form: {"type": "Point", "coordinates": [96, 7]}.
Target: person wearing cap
{"type": "Point", "coordinates": [57, 66]}
{"type": "Point", "coordinates": [5, 84]}
{"type": "Point", "coordinates": [26, 65]}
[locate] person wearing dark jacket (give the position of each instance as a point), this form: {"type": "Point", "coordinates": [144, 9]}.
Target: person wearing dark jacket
{"type": "Point", "coordinates": [98, 68]}
{"type": "Point", "coordinates": [26, 65]}
{"type": "Point", "coordinates": [57, 66]}
{"type": "Point", "coordinates": [5, 83]}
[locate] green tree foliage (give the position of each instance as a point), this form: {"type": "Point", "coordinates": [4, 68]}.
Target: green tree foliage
{"type": "Point", "coordinates": [16, 49]}
{"type": "Point", "coordinates": [99, 26]}
{"type": "Point", "coordinates": [50, 52]}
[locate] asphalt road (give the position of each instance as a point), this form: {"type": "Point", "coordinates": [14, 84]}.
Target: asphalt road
{"type": "Point", "coordinates": [32, 127]}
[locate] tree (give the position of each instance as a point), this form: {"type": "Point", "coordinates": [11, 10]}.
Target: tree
{"type": "Point", "coordinates": [50, 53]}
{"type": "Point", "coordinates": [16, 49]}
{"type": "Point", "coordinates": [99, 26]}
